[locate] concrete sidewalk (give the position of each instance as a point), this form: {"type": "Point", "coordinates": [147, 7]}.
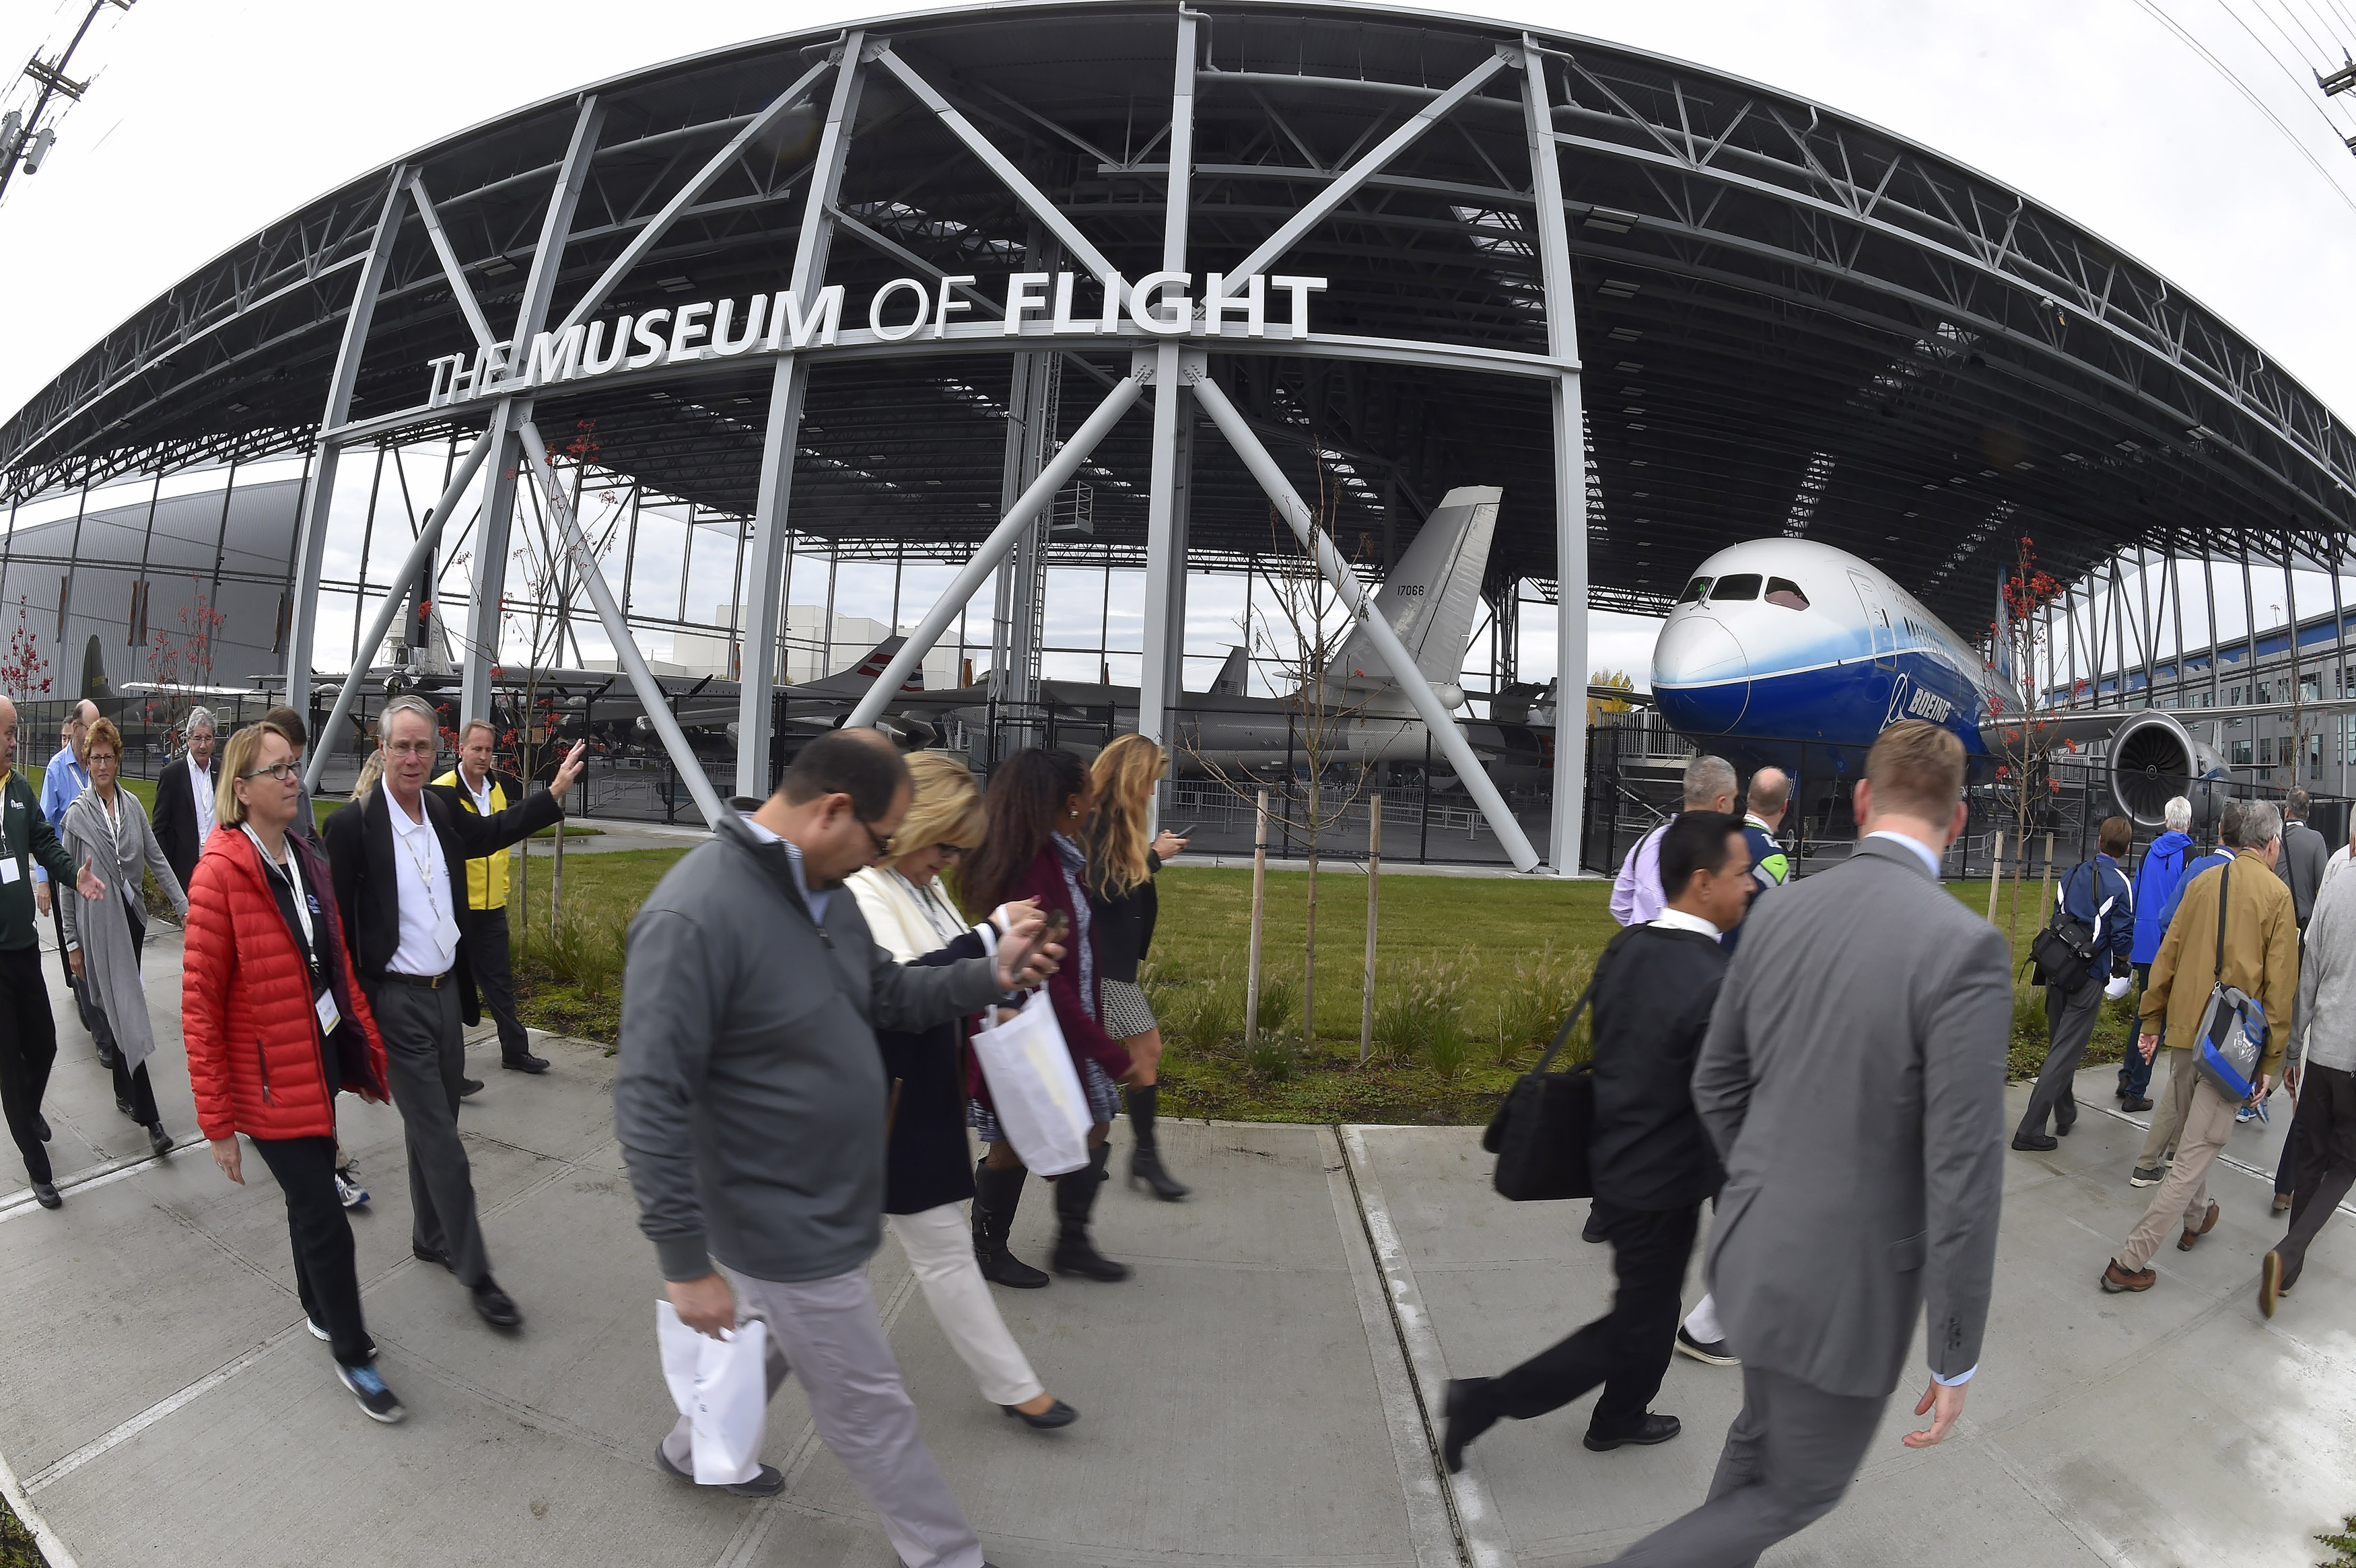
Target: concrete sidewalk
{"type": "Point", "coordinates": [1258, 1395]}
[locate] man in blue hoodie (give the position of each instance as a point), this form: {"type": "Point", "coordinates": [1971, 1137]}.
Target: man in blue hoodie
{"type": "Point", "coordinates": [2155, 890]}
{"type": "Point", "coordinates": [2095, 894]}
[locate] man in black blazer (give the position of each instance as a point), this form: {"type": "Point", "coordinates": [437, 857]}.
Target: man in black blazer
{"type": "Point", "coordinates": [184, 798]}
{"type": "Point", "coordinates": [1651, 1162]}
{"type": "Point", "coordinates": [399, 857]}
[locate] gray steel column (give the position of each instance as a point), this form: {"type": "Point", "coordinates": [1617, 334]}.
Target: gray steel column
{"type": "Point", "coordinates": [2339, 673]}
{"type": "Point", "coordinates": [490, 573]}
{"type": "Point", "coordinates": [2209, 599]}
{"type": "Point", "coordinates": [2147, 629]}
{"type": "Point", "coordinates": [1569, 478]}
{"type": "Point", "coordinates": [2176, 583]}
{"type": "Point", "coordinates": [1303, 522]}
{"type": "Point", "coordinates": [765, 546]}
{"type": "Point", "coordinates": [311, 532]}
{"type": "Point", "coordinates": [1166, 547]}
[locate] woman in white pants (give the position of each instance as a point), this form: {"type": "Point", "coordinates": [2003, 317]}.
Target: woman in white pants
{"type": "Point", "coordinates": [928, 1170]}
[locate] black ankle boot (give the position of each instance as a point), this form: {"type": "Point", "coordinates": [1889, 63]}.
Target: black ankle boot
{"type": "Point", "coordinates": [1076, 1196]}
{"type": "Point", "coordinates": [996, 1195]}
{"type": "Point", "coordinates": [1145, 1158]}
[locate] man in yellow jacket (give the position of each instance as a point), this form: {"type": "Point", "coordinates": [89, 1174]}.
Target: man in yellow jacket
{"type": "Point", "coordinates": [474, 786]}
{"type": "Point", "coordinates": [2261, 958]}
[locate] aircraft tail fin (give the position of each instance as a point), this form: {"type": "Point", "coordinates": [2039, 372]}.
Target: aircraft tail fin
{"type": "Point", "coordinates": [1233, 675]}
{"type": "Point", "coordinates": [1434, 594]}
{"type": "Point", "coordinates": [853, 682]}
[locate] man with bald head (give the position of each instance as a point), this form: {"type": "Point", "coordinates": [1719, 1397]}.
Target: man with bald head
{"type": "Point", "coordinates": [28, 1035]}
{"type": "Point", "coordinates": [62, 783]}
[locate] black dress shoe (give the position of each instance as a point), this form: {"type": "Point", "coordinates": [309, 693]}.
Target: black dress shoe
{"type": "Point", "coordinates": [767, 1484]}
{"type": "Point", "coordinates": [108, 1056]}
{"type": "Point", "coordinates": [429, 1255]}
{"type": "Point", "coordinates": [2035, 1143]}
{"type": "Point", "coordinates": [1594, 1229]}
{"type": "Point", "coordinates": [1468, 1417]}
{"type": "Point", "coordinates": [1054, 1415]}
{"type": "Point", "coordinates": [469, 1086]}
{"type": "Point", "coordinates": [46, 1195]}
{"type": "Point", "coordinates": [527, 1062]}
{"type": "Point", "coordinates": [1651, 1430]}
{"type": "Point", "coordinates": [124, 1105]}
{"type": "Point", "coordinates": [159, 1140]}
{"type": "Point", "coordinates": [496, 1310]}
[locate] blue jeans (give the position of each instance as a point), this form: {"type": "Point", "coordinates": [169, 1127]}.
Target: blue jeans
{"type": "Point", "coordinates": [2135, 1073]}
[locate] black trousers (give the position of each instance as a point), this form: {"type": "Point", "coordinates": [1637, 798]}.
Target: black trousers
{"type": "Point", "coordinates": [93, 1016]}
{"type": "Point", "coordinates": [28, 1048]}
{"type": "Point", "coordinates": [2327, 1159]}
{"type": "Point", "coordinates": [131, 1087]}
{"type": "Point", "coordinates": [486, 951]}
{"type": "Point", "coordinates": [1627, 1350]}
{"type": "Point", "coordinates": [326, 1275]}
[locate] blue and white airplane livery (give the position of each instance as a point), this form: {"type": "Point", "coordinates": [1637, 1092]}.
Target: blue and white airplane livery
{"type": "Point", "coordinates": [1776, 642]}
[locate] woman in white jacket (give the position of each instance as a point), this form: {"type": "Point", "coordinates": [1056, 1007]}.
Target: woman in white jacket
{"type": "Point", "coordinates": [926, 1174]}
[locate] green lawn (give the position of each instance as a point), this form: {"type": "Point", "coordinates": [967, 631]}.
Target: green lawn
{"type": "Point", "coordinates": [1473, 977]}
{"type": "Point", "coordinates": [16, 1548]}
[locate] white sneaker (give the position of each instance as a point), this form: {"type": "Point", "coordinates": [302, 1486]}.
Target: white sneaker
{"type": "Point", "coordinates": [350, 1194]}
{"type": "Point", "coordinates": [316, 1332]}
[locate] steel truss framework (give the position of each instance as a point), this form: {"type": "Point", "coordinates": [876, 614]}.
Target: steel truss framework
{"type": "Point", "coordinates": [1793, 321]}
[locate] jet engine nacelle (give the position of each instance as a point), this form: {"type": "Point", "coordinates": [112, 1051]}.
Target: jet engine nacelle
{"type": "Point", "coordinates": [2154, 759]}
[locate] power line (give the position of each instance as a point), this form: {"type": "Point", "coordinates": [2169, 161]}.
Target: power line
{"type": "Point", "coordinates": [2165, 20]}
{"type": "Point", "coordinates": [24, 141]}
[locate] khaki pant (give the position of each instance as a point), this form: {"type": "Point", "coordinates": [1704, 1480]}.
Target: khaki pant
{"type": "Point", "coordinates": [2167, 1106]}
{"type": "Point", "coordinates": [2182, 1201]}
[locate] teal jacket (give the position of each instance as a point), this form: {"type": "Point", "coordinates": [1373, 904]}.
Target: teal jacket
{"type": "Point", "coordinates": [26, 839]}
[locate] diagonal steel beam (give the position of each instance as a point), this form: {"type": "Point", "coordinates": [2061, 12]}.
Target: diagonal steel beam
{"type": "Point", "coordinates": [625, 647]}
{"type": "Point", "coordinates": [1345, 185]}
{"type": "Point", "coordinates": [703, 180]}
{"type": "Point", "coordinates": [1019, 516]}
{"type": "Point", "coordinates": [468, 305]}
{"type": "Point", "coordinates": [1427, 707]}
{"type": "Point", "coordinates": [1049, 215]}
{"type": "Point", "coordinates": [420, 551]}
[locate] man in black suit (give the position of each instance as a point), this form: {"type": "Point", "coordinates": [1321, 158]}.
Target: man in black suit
{"type": "Point", "coordinates": [397, 857]}
{"type": "Point", "coordinates": [1651, 1161]}
{"type": "Point", "coordinates": [184, 798]}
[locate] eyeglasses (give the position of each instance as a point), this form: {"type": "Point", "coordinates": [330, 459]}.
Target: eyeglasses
{"type": "Point", "coordinates": [412, 748]}
{"type": "Point", "coordinates": [282, 772]}
{"type": "Point", "coordinates": [883, 842]}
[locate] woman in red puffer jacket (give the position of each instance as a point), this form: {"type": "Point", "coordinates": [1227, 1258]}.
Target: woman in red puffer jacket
{"type": "Point", "coordinates": [276, 1025]}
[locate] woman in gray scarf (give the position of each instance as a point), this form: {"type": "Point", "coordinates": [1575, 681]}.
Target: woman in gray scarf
{"type": "Point", "coordinates": [107, 829]}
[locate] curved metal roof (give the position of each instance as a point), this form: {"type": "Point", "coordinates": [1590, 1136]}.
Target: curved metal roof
{"type": "Point", "coordinates": [1790, 321]}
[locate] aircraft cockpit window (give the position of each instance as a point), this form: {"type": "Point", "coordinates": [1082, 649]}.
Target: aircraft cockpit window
{"type": "Point", "coordinates": [1782, 591]}
{"type": "Point", "coordinates": [1729, 590]}
{"type": "Point", "coordinates": [1695, 592]}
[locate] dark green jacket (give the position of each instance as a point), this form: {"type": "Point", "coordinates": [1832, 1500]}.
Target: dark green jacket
{"type": "Point", "coordinates": [26, 836]}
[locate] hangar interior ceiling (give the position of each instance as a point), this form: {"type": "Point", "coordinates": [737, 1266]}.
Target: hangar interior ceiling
{"type": "Point", "coordinates": [1789, 321]}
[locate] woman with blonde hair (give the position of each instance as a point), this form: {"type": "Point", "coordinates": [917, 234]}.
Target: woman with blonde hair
{"type": "Point", "coordinates": [107, 829]}
{"type": "Point", "coordinates": [1122, 907]}
{"type": "Point", "coordinates": [925, 1175]}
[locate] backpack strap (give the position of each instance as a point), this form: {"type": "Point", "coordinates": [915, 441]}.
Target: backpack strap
{"type": "Point", "coordinates": [2225, 879]}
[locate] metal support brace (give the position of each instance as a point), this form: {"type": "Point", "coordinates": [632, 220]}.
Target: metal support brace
{"type": "Point", "coordinates": [464, 291]}
{"type": "Point", "coordinates": [1569, 479]}
{"type": "Point", "coordinates": [720, 163]}
{"type": "Point", "coordinates": [490, 575]}
{"type": "Point", "coordinates": [970, 579]}
{"type": "Point", "coordinates": [765, 550]}
{"type": "Point", "coordinates": [420, 551]}
{"type": "Point", "coordinates": [1428, 706]}
{"type": "Point", "coordinates": [1165, 548]}
{"type": "Point", "coordinates": [311, 532]}
{"type": "Point", "coordinates": [625, 647]}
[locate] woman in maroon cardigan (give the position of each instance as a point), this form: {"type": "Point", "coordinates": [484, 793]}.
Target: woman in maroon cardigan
{"type": "Point", "coordinates": [1037, 802]}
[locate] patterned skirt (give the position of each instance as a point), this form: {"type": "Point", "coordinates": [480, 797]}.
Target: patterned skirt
{"type": "Point", "coordinates": [1104, 1100]}
{"type": "Point", "coordinates": [1127, 1013]}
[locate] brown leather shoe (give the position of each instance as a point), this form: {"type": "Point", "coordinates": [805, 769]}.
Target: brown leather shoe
{"type": "Point", "coordinates": [2208, 1224]}
{"type": "Point", "coordinates": [2269, 1284]}
{"type": "Point", "coordinates": [2282, 1201]}
{"type": "Point", "coordinates": [2116, 1279]}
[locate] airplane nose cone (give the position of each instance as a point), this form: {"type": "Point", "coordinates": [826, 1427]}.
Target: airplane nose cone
{"type": "Point", "coordinates": [1701, 677]}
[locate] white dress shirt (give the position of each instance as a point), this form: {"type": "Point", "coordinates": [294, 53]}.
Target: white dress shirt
{"type": "Point", "coordinates": [1678, 920]}
{"type": "Point", "coordinates": [200, 790]}
{"type": "Point", "coordinates": [429, 926]}
{"type": "Point", "coordinates": [482, 796]}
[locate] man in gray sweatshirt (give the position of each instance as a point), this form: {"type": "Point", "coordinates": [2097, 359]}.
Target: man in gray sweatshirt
{"type": "Point", "coordinates": [751, 1107]}
{"type": "Point", "coordinates": [2323, 1080]}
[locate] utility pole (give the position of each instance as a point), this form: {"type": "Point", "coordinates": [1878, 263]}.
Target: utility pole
{"type": "Point", "coordinates": [24, 141]}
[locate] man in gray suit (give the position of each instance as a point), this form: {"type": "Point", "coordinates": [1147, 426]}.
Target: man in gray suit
{"type": "Point", "coordinates": [1853, 1084]}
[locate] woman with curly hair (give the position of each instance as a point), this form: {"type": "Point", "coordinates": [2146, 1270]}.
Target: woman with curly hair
{"type": "Point", "coordinates": [1121, 908]}
{"type": "Point", "coordinates": [1038, 803]}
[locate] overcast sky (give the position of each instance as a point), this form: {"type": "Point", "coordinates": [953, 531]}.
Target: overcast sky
{"type": "Point", "coordinates": [209, 117]}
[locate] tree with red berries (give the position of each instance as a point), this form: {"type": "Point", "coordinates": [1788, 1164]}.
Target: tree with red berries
{"type": "Point", "coordinates": [2024, 745]}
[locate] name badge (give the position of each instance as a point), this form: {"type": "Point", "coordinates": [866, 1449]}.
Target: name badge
{"type": "Point", "coordinates": [10, 870]}
{"type": "Point", "coordinates": [324, 1006]}
{"type": "Point", "coordinates": [445, 930]}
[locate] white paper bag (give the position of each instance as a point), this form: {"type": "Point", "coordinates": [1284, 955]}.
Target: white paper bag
{"type": "Point", "coordinates": [1034, 1090]}
{"type": "Point", "coordinates": [722, 1386]}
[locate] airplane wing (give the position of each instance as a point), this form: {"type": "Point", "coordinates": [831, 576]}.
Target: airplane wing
{"type": "Point", "coordinates": [2058, 727]}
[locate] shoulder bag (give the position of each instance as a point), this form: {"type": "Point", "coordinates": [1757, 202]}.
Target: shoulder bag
{"type": "Point", "coordinates": [1540, 1134]}
{"type": "Point", "coordinates": [2062, 953]}
{"type": "Point", "coordinates": [2233, 1036]}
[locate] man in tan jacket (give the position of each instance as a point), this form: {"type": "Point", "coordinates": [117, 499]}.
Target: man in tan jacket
{"type": "Point", "coordinates": [2261, 957]}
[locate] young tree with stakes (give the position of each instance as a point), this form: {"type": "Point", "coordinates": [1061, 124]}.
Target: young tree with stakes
{"type": "Point", "coordinates": [2017, 638]}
